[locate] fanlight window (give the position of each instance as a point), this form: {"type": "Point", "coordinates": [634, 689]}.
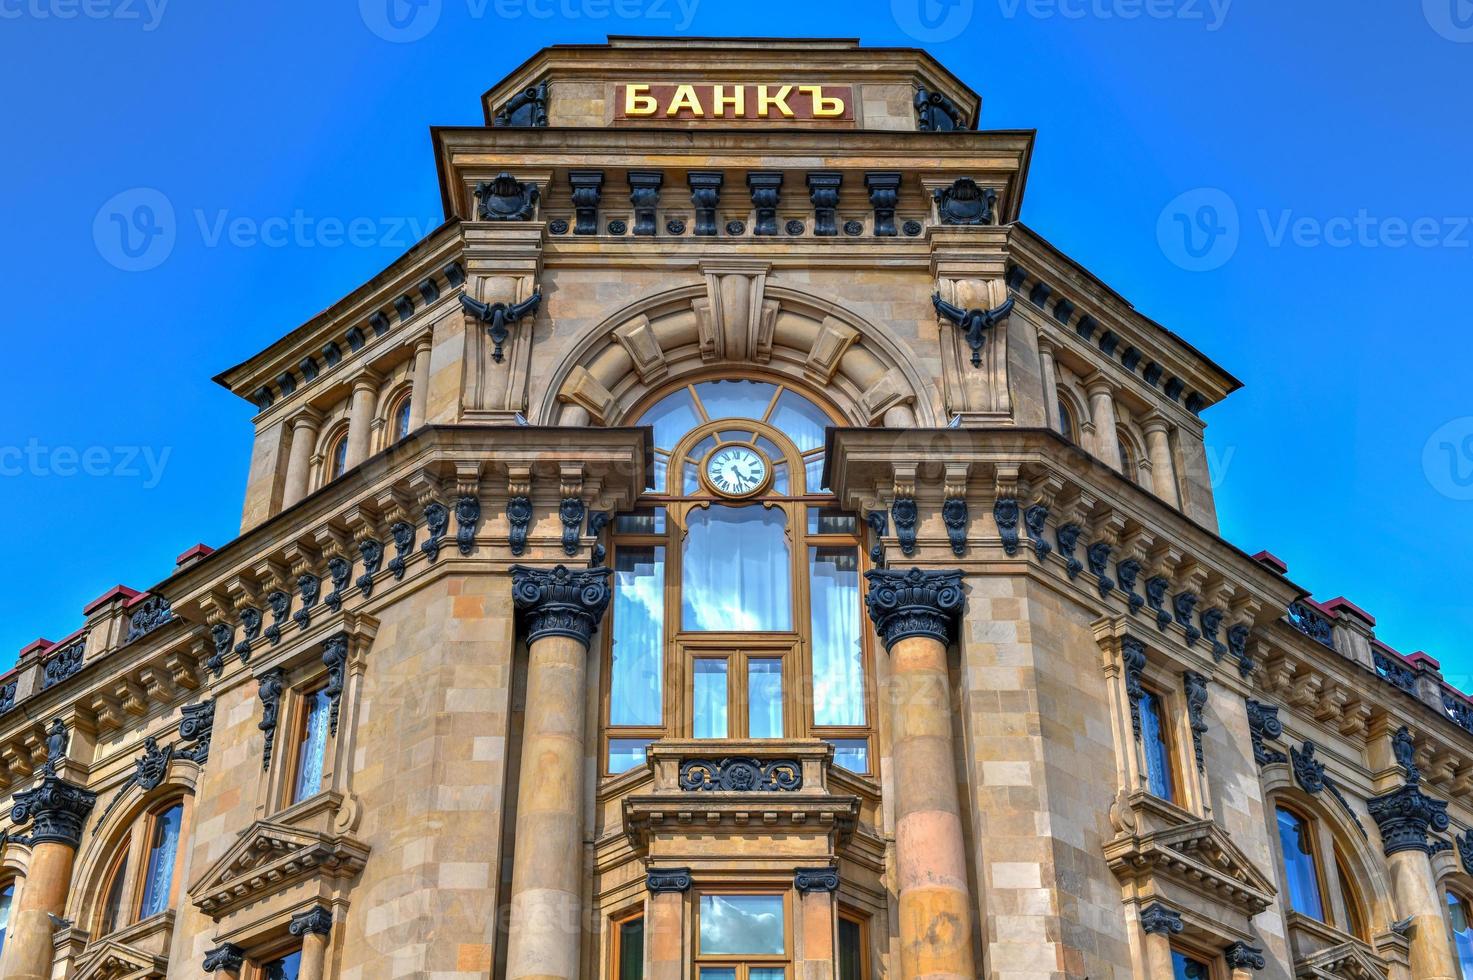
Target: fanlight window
{"type": "Point", "coordinates": [143, 878]}
{"type": "Point", "coordinates": [736, 609]}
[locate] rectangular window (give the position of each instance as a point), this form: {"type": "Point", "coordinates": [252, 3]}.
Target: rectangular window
{"type": "Point", "coordinates": [742, 925]}
{"type": "Point", "coordinates": [1301, 864]}
{"type": "Point", "coordinates": [838, 655]}
{"type": "Point", "coordinates": [1155, 740]}
{"type": "Point", "coordinates": [636, 677]}
{"type": "Point", "coordinates": [627, 753]}
{"type": "Point", "coordinates": [852, 947]}
{"type": "Point", "coordinates": [645, 520]}
{"type": "Point", "coordinates": [311, 745]}
{"type": "Point", "coordinates": [158, 883]}
{"type": "Point", "coordinates": [709, 710]}
{"type": "Point", "coordinates": [735, 574]}
{"type": "Point", "coordinates": [629, 949]}
{"type": "Point", "coordinates": [765, 698]}
{"type": "Point", "coordinates": [851, 754]}
{"type": "Point", "coordinates": [1186, 967]}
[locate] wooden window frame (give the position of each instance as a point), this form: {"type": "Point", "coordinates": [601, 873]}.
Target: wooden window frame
{"type": "Point", "coordinates": [681, 647]}
{"type": "Point", "coordinates": [1210, 958]}
{"type": "Point", "coordinates": [295, 722]}
{"type": "Point", "coordinates": [1321, 842]}
{"type": "Point", "coordinates": [616, 939]}
{"type": "Point", "coordinates": [134, 849]}
{"type": "Point", "coordinates": [1171, 745]}
{"type": "Point", "coordinates": [402, 400]}
{"type": "Point", "coordinates": [743, 963]}
{"type": "Point", "coordinates": [861, 919]}
{"type": "Point", "coordinates": [255, 967]}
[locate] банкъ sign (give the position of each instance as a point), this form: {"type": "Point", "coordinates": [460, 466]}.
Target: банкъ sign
{"type": "Point", "coordinates": [735, 102]}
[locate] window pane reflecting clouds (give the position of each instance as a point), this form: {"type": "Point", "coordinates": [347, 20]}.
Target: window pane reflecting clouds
{"type": "Point", "coordinates": [1299, 865]}
{"type": "Point", "coordinates": [838, 665]}
{"type": "Point", "coordinates": [671, 418]}
{"type": "Point", "coordinates": [765, 698]}
{"type": "Point", "coordinates": [800, 420]}
{"type": "Point", "coordinates": [710, 699]}
{"type": "Point", "coordinates": [637, 680]}
{"type": "Point", "coordinates": [627, 753]}
{"type": "Point", "coordinates": [735, 399]}
{"type": "Point", "coordinates": [736, 571]}
{"type": "Point", "coordinates": [742, 924]}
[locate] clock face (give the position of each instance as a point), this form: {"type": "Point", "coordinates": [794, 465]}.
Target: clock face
{"type": "Point", "coordinates": [736, 471]}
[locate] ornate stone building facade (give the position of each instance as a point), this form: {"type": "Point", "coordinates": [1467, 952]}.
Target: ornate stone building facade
{"type": "Point", "coordinates": [732, 546]}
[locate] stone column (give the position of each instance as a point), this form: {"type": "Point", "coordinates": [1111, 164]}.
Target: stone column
{"type": "Point", "coordinates": [360, 417]}
{"type": "Point", "coordinates": [560, 609]}
{"type": "Point", "coordinates": [1050, 375]}
{"type": "Point", "coordinates": [313, 927]}
{"type": "Point", "coordinates": [59, 809]}
{"type": "Point", "coordinates": [419, 391]}
{"type": "Point", "coordinates": [664, 930]}
{"type": "Point", "coordinates": [299, 464]}
{"type": "Point", "coordinates": [1404, 816]}
{"type": "Point", "coordinates": [1244, 960]}
{"type": "Point", "coordinates": [818, 959]}
{"type": "Point", "coordinates": [1159, 924]}
{"type": "Point", "coordinates": [1158, 449]}
{"type": "Point", "coordinates": [915, 614]}
{"type": "Point", "coordinates": [1102, 415]}
{"type": "Point", "coordinates": [226, 960]}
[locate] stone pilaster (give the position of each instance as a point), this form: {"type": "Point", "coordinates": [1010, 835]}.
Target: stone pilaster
{"type": "Point", "coordinates": [665, 923]}
{"type": "Point", "coordinates": [313, 927]}
{"type": "Point", "coordinates": [817, 912]}
{"type": "Point", "coordinates": [57, 810]}
{"type": "Point", "coordinates": [915, 614]}
{"type": "Point", "coordinates": [559, 609]}
{"type": "Point", "coordinates": [1159, 924]}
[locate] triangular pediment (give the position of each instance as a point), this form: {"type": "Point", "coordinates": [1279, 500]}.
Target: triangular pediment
{"type": "Point", "coordinates": [1198, 856]}
{"type": "Point", "coordinates": [1347, 961]}
{"type": "Point", "coordinates": [270, 856]}
{"type": "Point", "coordinates": [113, 960]}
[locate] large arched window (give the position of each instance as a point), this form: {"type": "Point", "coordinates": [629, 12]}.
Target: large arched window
{"type": "Point", "coordinates": [1316, 878]}
{"type": "Point", "coordinates": [142, 879]}
{"type": "Point", "coordinates": [737, 582]}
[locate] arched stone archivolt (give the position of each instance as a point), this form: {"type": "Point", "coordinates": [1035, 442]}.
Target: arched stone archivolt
{"type": "Point", "coordinates": [737, 319]}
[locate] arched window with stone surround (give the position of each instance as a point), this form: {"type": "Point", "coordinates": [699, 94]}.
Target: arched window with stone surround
{"type": "Point", "coordinates": [142, 876]}
{"type": "Point", "coordinates": [1315, 876]}
{"type": "Point", "coordinates": [736, 610]}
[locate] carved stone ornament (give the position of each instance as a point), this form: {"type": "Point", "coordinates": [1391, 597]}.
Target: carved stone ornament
{"type": "Point", "coordinates": [1264, 726]}
{"type": "Point", "coordinates": [340, 570]}
{"type": "Point", "coordinates": [1405, 816]}
{"type": "Point", "coordinates": [505, 198]}
{"type": "Point", "coordinates": [316, 921]}
{"type": "Point", "coordinates": [437, 522]}
{"type": "Point", "coordinates": [467, 519]}
{"type": "Point", "coordinates": [974, 323]}
{"type": "Point", "coordinates": [197, 725]}
{"type": "Point", "coordinates": [965, 203]}
{"type": "Point", "coordinates": [152, 613]}
{"type": "Point", "coordinates": [1128, 570]}
{"type": "Point", "coordinates": [1098, 556]}
{"type": "Point", "coordinates": [905, 604]}
{"type": "Point", "coordinates": [280, 604]}
{"type": "Point", "coordinates": [1005, 514]}
{"type": "Point", "coordinates": [499, 317]}
{"type": "Point", "coordinates": [1035, 519]}
{"type": "Point", "coordinates": [335, 659]}
{"type": "Point", "coordinates": [1237, 640]}
{"type": "Point", "coordinates": [903, 512]}
{"type": "Point", "coordinates": [1067, 538]}
{"type": "Point", "coordinates": [518, 519]}
{"type": "Point", "coordinates": [954, 516]}
{"type": "Point", "coordinates": [1156, 598]}
{"type": "Point", "coordinates": [741, 775]}
{"type": "Point", "coordinates": [1133, 656]}
{"type": "Point", "coordinates": [571, 512]}
{"type": "Point", "coordinates": [373, 560]}
{"type": "Point", "coordinates": [403, 534]}
{"type": "Point", "coordinates": [1157, 919]}
{"type": "Point", "coordinates": [1195, 687]}
{"type": "Point", "coordinates": [1309, 772]}
{"type": "Point", "coordinates": [153, 766]}
{"type": "Point", "coordinates": [766, 189]}
{"type": "Point", "coordinates": [64, 664]}
{"type": "Point", "coordinates": [823, 191]}
{"type": "Point", "coordinates": [57, 740]}
{"type": "Point", "coordinates": [587, 189]}
{"type": "Point", "coordinates": [560, 601]}
{"type": "Point", "coordinates": [222, 635]}
{"type": "Point", "coordinates": [309, 587]}
{"type": "Point", "coordinates": [1184, 603]}
{"type": "Point", "coordinates": [1404, 750]}
{"type": "Point", "coordinates": [657, 880]}
{"type": "Point", "coordinates": [1465, 850]}
{"type": "Point", "coordinates": [807, 880]}
{"type": "Point", "coordinates": [935, 113]}
{"type": "Point", "coordinates": [884, 195]}
{"type": "Point", "coordinates": [228, 957]}
{"type": "Point", "coordinates": [270, 692]}
{"type": "Point", "coordinates": [1211, 620]}
{"type": "Point", "coordinates": [705, 195]}
{"type": "Point", "coordinates": [527, 108]}
{"type": "Point", "coordinates": [879, 525]}
{"type": "Point", "coordinates": [1311, 624]}
{"type": "Point", "coordinates": [58, 808]}
{"type": "Point", "coordinates": [1241, 956]}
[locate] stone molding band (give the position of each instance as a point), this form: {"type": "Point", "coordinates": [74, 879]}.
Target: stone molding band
{"type": "Point", "coordinates": [904, 604]}
{"type": "Point", "coordinates": [560, 601]}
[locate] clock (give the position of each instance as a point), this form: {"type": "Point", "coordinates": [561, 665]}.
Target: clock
{"type": "Point", "coordinates": [736, 470]}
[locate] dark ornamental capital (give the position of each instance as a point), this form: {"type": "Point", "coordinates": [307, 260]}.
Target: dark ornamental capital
{"type": "Point", "coordinates": [59, 809]}
{"type": "Point", "coordinates": [560, 601]}
{"type": "Point", "coordinates": [904, 604]}
{"type": "Point", "coordinates": [227, 956]}
{"type": "Point", "coordinates": [658, 880]}
{"type": "Point", "coordinates": [1157, 919]}
{"type": "Point", "coordinates": [1241, 956]}
{"type": "Point", "coordinates": [807, 880]}
{"type": "Point", "coordinates": [316, 921]}
{"type": "Point", "coordinates": [1405, 816]}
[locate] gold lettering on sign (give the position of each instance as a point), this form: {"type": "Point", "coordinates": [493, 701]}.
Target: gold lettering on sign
{"type": "Point", "coordinates": [693, 101]}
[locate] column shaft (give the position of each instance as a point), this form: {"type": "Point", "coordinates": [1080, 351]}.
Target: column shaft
{"type": "Point", "coordinates": [299, 463]}
{"type": "Point", "coordinates": [1102, 415]}
{"type": "Point", "coordinates": [419, 392]}
{"type": "Point", "coordinates": [360, 420]}
{"type": "Point", "coordinates": [29, 946]}
{"type": "Point", "coordinates": [935, 909]}
{"type": "Point", "coordinates": [314, 957]}
{"type": "Point", "coordinates": [1050, 378]}
{"type": "Point", "coordinates": [1416, 895]}
{"type": "Point", "coordinates": [1158, 448]}
{"type": "Point", "coordinates": [546, 934]}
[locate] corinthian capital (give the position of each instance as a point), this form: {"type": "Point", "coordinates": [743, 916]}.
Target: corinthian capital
{"type": "Point", "coordinates": [914, 603]}
{"type": "Point", "coordinates": [560, 601]}
{"type": "Point", "coordinates": [1405, 816]}
{"type": "Point", "coordinates": [59, 809]}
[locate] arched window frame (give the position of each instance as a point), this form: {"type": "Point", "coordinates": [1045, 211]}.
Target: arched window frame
{"type": "Point", "coordinates": [1132, 454]}
{"type": "Point", "coordinates": [126, 862]}
{"type": "Point", "coordinates": [809, 511]}
{"type": "Point", "coordinates": [1073, 413]}
{"type": "Point", "coordinates": [396, 406]}
{"type": "Point", "coordinates": [1330, 852]}
{"type": "Point", "coordinates": [1459, 891]}
{"type": "Point", "coordinates": [335, 437]}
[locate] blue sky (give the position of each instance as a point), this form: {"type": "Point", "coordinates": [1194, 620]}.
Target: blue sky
{"type": "Point", "coordinates": [1317, 151]}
